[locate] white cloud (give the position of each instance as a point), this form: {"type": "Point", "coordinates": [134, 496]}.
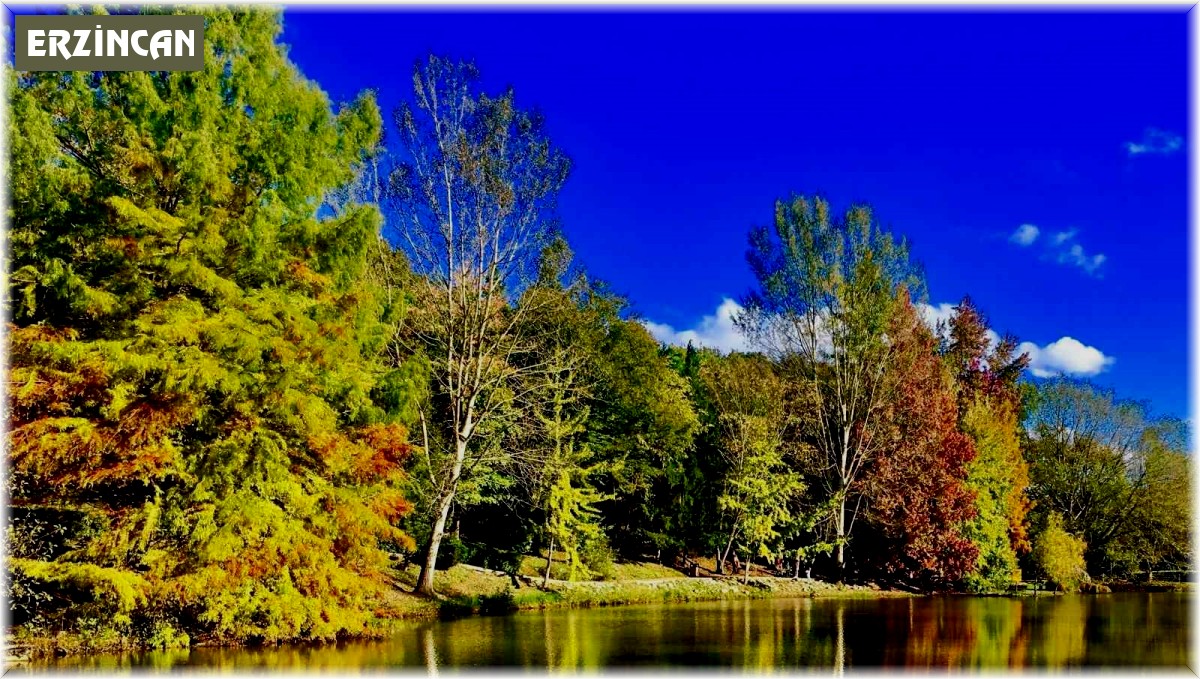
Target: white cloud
{"type": "Point", "coordinates": [1064, 236]}
{"type": "Point", "coordinates": [934, 314]}
{"type": "Point", "coordinates": [1066, 356]}
{"type": "Point", "coordinates": [1155, 141]}
{"type": "Point", "coordinates": [1077, 257]}
{"type": "Point", "coordinates": [1062, 246]}
{"type": "Point", "coordinates": [716, 331]}
{"type": "Point", "coordinates": [1025, 235]}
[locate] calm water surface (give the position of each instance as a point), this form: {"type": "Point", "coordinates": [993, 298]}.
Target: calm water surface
{"type": "Point", "coordinates": [960, 632]}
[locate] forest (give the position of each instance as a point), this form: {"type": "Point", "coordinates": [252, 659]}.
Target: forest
{"type": "Point", "coordinates": [263, 355]}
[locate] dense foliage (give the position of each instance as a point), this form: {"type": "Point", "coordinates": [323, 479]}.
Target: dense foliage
{"type": "Point", "coordinates": [917, 492]}
{"type": "Point", "coordinates": [261, 365]}
{"type": "Point", "coordinates": [1060, 555]}
{"type": "Point", "coordinates": [198, 437]}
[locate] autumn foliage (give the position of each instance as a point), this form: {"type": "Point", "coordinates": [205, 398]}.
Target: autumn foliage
{"type": "Point", "coordinates": [918, 495]}
{"type": "Point", "coordinates": [196, 450]}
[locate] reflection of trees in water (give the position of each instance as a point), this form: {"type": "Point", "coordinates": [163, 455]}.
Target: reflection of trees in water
{"type": "Point", "coordinates": [1137, 629]}
{"type": "Point", "coordinates": [839, 653]}
{"type": "Point", "coordinates": [429, 651]}
{"type": "Point", "coordinates": [999, 638]}
{"type": "Point", "coordinates": [1058, 632]}
{"type": "Point", "coordinates": [833, 635]}
{"type": "Point", "coordinates": [938, 634]}
{"type": "Point", "coordinates": [955, 632]}
{"type": "Point", "coordinates": [815, 634]}
{"type": "Point", "coordinates": [570, 645]}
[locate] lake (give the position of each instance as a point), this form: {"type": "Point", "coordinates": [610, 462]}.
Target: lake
{"type": "Point", "coordinates": [1125, 630]}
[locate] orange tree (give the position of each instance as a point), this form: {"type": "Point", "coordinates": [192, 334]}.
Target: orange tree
{"type": "Point", "coordinates": [917, 492]}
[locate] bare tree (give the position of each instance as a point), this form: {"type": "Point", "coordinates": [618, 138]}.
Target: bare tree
{"type": "Point", "coordinates": [825, 291]}
{"type": "Point", "coordinates": [472, 200]}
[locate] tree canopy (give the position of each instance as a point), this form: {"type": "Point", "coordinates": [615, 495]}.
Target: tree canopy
{"type": "Point", "coordinates": [269, 375]}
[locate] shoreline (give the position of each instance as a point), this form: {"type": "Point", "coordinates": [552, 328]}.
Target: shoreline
{"type": "Point", "coordinates": [466, 590]}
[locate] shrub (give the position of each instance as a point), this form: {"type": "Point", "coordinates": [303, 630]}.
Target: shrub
{"type": "Point", "coordinates": [497, 604]}
{"type": "Point", "coordinates": [453, 552]}
{"type": "Point", "coordinates": [598, 557]}
{"type": "Point", "coordinates": [1060, 555]}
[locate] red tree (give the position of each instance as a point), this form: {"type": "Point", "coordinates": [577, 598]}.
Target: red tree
{"type": "Point", "coordinates": [991, 373]}
{"type": "Point", "coordinates": [982, 370]}
{"type": "Point", "coordinates": [918, 497]}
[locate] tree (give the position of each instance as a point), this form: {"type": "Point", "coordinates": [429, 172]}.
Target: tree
{"type": "Point", "coordinates": [641, 428]}
{"type": "Point", "coordinates": [203, 437]}
{"type": "Point", "coordinates": [472, 202]}
{"type": "Point", "coordinates": [825, 291]}
{"type": "Point", "coordinates": [1060, 554]}
{"type": "Point", "coordinates": [982, 368]}
{"type": "Point", "coordinates": [555, 462]}
{"type": "Point", "coordinates": [918, 495]}
{"type": "Point", "coordinates": [1159, 535]}
{"type": "Point", "coordinates": [997, 478]}
{"type": "Point", "coordinates": [759, 487]}
{"type": "Point", "coordinates": [1087, 451]}
{"type": "Point", "coordinates": [987, 373]}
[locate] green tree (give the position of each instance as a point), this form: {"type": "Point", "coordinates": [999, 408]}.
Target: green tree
{"type": "Point", "coordinates": [989, 399]}
{"type": "Point", "coordinates": [202, 433]}
{"type": "Point", "coordinates": [1160, 530]}
{"type": "Point", "coordinates": [759, 487]}
{"type": "Point", "coordinates": [825, 292]}
{"type": "Point", "coordinates": [1089, 461]}
{"type": "Point", "coordinates": [1060, 555]}
{"type": "Point", "coordinates": [472, 201]}
{"type": "Point", "coordinates": [641, 427]}
{"type": "Point", "coordinates": [556, 460]}
{"type": "Point", "coordinates": [995, 477]}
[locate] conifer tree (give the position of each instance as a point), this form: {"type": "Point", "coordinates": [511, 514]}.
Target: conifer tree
{"type": "Point", "coordinates": [197, 441]}
{"type": "Point", "coordinates": [918, 493]}
{"type": "Point", "coordinates": [987, 374]}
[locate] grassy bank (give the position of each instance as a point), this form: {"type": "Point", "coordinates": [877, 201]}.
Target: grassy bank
{"type": "Point", "coordinates": [466, 590]}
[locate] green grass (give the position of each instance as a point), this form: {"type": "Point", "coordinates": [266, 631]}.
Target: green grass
{"type": "Point", "coordinates": [644, 571]}
{"type": "Point", "coordinates": [535, 567]}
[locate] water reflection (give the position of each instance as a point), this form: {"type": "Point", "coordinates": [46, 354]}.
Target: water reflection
{"type": "Point", "coordinates": [963, 632]}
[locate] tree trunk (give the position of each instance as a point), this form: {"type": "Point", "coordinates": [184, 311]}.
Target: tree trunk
{"type": "Point", "coordinates": [796, 576]}
{"type": "Point", "coordinates": [746, 578]}
{"type": "Point", "coordinates": [841, 534]}
{"type": "Point", "coordinates": [722, 557]}
{"type": "Point", "coordinates": [720, 563]}
{"type": "Point", "coordinates": [549, 560]}
{"type": "Point", "coordinates": [425, 580]}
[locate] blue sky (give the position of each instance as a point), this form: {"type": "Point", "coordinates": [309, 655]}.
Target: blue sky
{"type": "Point", "coordinates": [959, 129]}
{"type": "Point", "coordinates": [1034, 161]}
